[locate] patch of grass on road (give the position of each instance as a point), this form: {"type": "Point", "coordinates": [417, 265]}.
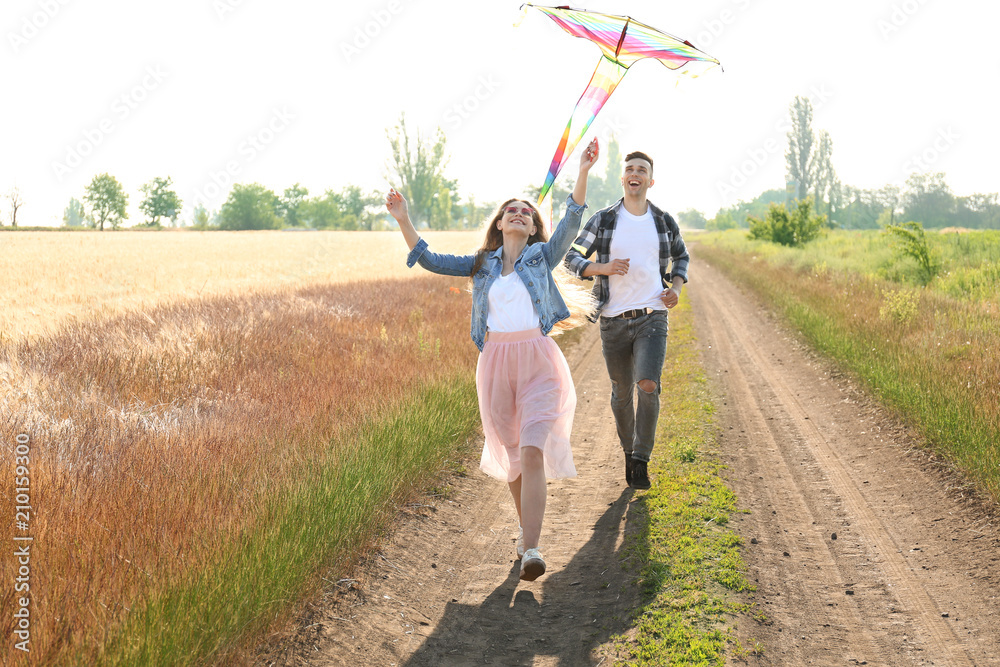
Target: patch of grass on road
{"type": "Point", "coordinates": [692, 561]}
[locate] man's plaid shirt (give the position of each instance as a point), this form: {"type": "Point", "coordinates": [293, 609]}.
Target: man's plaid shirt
{"type": "Point", "coordinates": [596, 237]}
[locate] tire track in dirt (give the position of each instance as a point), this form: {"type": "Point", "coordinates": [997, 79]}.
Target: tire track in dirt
{"type": "Point", "coordinates": [847, 635]}
{"type": "Point", "coordinates": [808, 466]}
{"type": "Point", "coordinates": [443, 589]}
{"type": "Point", "coordinates": [909, 591]}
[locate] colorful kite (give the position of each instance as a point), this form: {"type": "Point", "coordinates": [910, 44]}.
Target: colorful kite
{"type": "Point", "coordinates": [623, 41]}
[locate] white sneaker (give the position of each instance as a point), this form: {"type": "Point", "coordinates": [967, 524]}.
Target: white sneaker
{"type": "Point", "coordinates": [532, 565]}
{"type": "Point", "coordinates": [520, 542]}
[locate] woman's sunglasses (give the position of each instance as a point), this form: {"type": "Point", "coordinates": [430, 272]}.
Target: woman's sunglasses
{"type": "Point", "coordinates": [514, 210]}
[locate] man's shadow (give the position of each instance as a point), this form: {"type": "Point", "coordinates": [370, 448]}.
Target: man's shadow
{"type": "Point", "coordinates": [592, 599]}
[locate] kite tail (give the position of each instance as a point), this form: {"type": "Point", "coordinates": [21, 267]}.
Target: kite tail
{"type": "Point", "coordinates": [603, 82]}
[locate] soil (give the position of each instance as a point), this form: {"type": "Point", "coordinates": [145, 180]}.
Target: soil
{"type": "Point", "coordinates": [864, 548]}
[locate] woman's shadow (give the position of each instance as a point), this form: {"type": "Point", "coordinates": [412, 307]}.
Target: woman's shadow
{"type": "Point", "coordinates": [592, 599]}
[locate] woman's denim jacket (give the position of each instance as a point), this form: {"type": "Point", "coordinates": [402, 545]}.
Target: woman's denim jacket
{"type": "Point", "coordinates": [534, 266]}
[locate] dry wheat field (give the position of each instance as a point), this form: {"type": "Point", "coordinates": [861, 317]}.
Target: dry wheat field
{"type": "Point", "coordinates": [175, 405]}
{"type": "Point", "coordinates": [52, 277]}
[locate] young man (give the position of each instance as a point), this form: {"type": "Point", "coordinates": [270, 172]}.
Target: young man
{"type": "Point", "coordinates": [641, 267]}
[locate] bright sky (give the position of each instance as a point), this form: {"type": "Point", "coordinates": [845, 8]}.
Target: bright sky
{"type": "Point", "coordinates": [211, 92]}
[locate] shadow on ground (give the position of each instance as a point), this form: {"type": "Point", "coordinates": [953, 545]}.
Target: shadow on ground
{"type": "Point", "coordinates": [564, 615]}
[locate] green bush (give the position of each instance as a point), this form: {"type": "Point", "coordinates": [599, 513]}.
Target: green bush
{"type": "Point", "coordinates": [899, 306]}
{"type": "Point", "coordinates": [721, 222]}
{"type": "Point", "coordinates": [788, 228]}
{"type": "Point", "coordinates": [912, 242]}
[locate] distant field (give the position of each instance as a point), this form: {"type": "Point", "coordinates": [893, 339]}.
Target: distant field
{"type": "Point", "coordinates": [970, 260]}
{"type": "Point", "coordinates": [52, 278]}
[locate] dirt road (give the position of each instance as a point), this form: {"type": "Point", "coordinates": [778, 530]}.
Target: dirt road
{"type": "Point", "coordinates": [445, 590]}
{"type": "Point", "coordinates": [863, 550]}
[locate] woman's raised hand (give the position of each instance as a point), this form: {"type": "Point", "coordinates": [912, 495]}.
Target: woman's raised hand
{"type": "Point", "coordinates": [587, 159]}
{"type": "Point", "coordinates": [396, 203]}
{"type": "Point", "coordinates": [589, 155]}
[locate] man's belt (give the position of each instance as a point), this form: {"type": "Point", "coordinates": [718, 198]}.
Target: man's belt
{"type": "Point", "coordinates": [632, 314]}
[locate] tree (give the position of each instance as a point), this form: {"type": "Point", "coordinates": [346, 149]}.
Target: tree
{"type": "Point", "coordinates": [889, 198]}
{"type": "Point", "coordinates": [606, 190]}
{"type": "Point", "coordinates": [613, 171]}
{"type": "Point", "coordinates": [790, 228]}
{"type": "Point", "coordinates": [799, 156]}
{"type": "Point", "coordinates": [986, 207]}
{"type": "Point", "coordinates": [356, 206]}
{"type": "Point", "coordinates": [441, 204]}
{"type": "Point", "coordinates": [473, 213]}
{"type": "Point", "coordinates": [692, 219]}
{"type": "Point", "coordinates": [324, 212]}
{"type": "Point", "coordinates": [560, 189]}
{"type": "Point", "coordinates": [602, 190]}
{"type": "Point", "coordinates": [16, 202]}
{"type": "Point", "coordinates": [349, 209]}
{"type": "Point", "coordinates": [865, 208]}
{"type": "Point", "coordinates": [928, 198]}
{"type": "Point", "coordinates": [862, 209]}
{"type": "Point", "coordinates": [107, 200]}
{"type": "Point", "coordinates": [418, 167]}
{"type": "Point", "coordinates": [742, 211]}
{"type": "Point", "coordinates": [859, 210]}
{"type": "Point", "coordinates": [250, 207]}
{"type": "Point", "coordinates": [160, 201]}
{"type": "Point", "coordinates": [810, 161]}
{"type": "Point", "coordinates": [827, 190]}
{"type": "Point", "coordinates": [722, 221]}
{"type": "Point", "coordinates": [201, 217]}
{"type": "Point", "coordinates": [74, 215]}
{"type": "Point", "coordinates": [290, 203]}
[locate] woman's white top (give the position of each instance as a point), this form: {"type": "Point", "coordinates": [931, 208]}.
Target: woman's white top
{"type": "Point", "coordinates": [510, 306]}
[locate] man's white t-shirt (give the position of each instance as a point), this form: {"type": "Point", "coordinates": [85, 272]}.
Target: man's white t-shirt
{"type": "Point", "coordinates": [635, 239]}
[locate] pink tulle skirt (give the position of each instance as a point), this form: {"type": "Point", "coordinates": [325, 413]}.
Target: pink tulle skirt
{"type": "Point", "coordinates": [526, 399]}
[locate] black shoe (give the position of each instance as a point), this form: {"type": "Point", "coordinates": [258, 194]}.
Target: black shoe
{"type": "Point", "coordinates": [628, 468]}
{"type": "Point", "coordinates": [640, 477]}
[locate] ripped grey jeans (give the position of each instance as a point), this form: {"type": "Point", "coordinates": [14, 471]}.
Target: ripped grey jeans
{"type": "Point", "coordinates": [634, 350]}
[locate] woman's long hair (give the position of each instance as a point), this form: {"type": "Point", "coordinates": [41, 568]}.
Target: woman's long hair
{"type": "Point", "coordinates": [578, 297]}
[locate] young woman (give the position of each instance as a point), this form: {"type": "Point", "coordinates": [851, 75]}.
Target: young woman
{"type": "Point", "coordinates": [526, 394]}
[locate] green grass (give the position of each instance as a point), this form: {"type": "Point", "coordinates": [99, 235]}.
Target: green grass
{"type": "Point", "coordinates": [324, 522]}
{"type": "Point", "coordinates": [932, 354]}
{"type": "Point", "coordinates": [692, 564]}
{"type": "Point", "coordinates": [969, 259]}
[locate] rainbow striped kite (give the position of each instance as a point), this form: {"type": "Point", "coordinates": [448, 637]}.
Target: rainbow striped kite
{"type": "Point", "coordinates": [623, 41]}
